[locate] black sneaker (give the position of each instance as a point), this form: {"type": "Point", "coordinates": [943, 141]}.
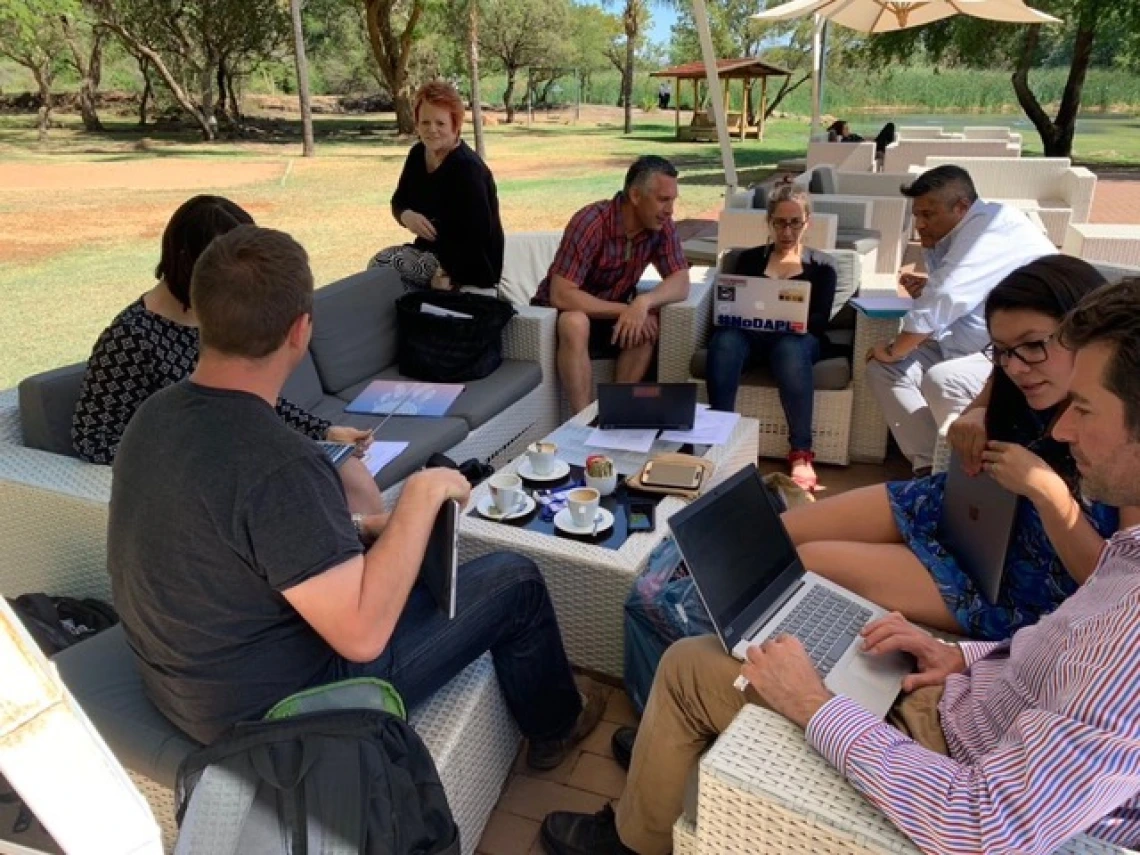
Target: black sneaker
{"type": "Point", "coordinates": [566, 833]}
{"type": "Point", "coordinates": [621, 744]}
{"type": "Point", "coordinates": [548, 754]}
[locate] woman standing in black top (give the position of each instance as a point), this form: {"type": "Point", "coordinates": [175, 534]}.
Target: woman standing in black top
{"type": "Point", "coordinates": [446, 197]}
{"type": "Point", "coordinates": [789, 355]}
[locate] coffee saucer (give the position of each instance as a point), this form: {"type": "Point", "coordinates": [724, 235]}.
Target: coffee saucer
{"type": "Point", "coordinates": [565, 523]}
{"type": "Point", "coordinates": [557, 472]}
{"type": "Point", "coordinates": [486, 508]}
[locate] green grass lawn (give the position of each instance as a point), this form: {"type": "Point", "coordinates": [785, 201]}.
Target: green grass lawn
{"type": "Point", "coordinates": [71, 258]}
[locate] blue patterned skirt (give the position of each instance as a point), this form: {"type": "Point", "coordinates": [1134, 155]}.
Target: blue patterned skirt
{"type": "Point", "coordinates": [1035, 580]}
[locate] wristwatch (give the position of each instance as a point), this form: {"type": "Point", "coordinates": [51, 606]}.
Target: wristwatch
{"type": "Point", "coordinates": [358, 524]}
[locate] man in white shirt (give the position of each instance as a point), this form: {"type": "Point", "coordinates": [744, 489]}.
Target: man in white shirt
{"type": "Point", "coordinates": [934, 368]}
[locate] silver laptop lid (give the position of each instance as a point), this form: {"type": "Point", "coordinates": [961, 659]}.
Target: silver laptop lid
{"type": "Point", "coordinates": [737, 549]}
{"type": "Point", "coordinates": [760, 303]}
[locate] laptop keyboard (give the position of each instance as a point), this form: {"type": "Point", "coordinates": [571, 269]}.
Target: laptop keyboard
{"type": "Point", "coordinates": [825, 623]}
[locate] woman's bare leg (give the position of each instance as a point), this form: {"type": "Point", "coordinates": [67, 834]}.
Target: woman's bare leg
{"type": "Point", "coordinates": [861, 516]}
{"type": "Point", "coordinates": [888, 574]}
{"type": "Point", "coordinates": [852, 539]}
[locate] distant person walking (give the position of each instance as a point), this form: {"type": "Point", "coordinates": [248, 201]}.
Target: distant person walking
{"type": "Point", "coordinates": [664, 93]}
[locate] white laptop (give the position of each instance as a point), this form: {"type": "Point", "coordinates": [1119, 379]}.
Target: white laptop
{"type": "Point", "coordinates": [759, 303]}
{"type": "Point", "coordinates": [751, 581]}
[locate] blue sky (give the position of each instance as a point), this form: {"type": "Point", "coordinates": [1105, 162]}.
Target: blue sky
{"type": "Point", "coordinates": [663, 19]}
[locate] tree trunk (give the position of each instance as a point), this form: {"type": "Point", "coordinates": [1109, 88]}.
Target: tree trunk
{"type": "Point", "coordinates": [235, 102]}
{"type": "Point", "coordinates": [392, 53]}
{"type": "Point", "coordinates": [152, 57]}
{"type": "Point", "coordinates": [473, 67]}
{"type": "Point", "coordinates": [90, 71]}
{"type": "Point", "coordinates": [43, 76]}
{"type": "Point", "coordinates": [1057, 134]}
{"type": "Point", "coordinates": [302, 63]}
{"type": "Point", "coordinates": [223, 103]}
{"type": "Point", "coordinates": [509, 94]}
{"type": "Point", "coordinates": [148, 90]}
{"type": "Point", "coordinates": [786, 89]}
{"type": "Point", "coordinates": [627, 76]}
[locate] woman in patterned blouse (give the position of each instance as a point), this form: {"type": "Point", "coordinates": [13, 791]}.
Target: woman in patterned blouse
{"type": "Point", "coordinates": [153, 343]}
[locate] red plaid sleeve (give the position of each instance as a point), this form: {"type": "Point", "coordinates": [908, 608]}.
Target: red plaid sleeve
{"type": "Point", "coordinates": [581, 244]}
{"type": "Point", "coordinates": [670, 257]}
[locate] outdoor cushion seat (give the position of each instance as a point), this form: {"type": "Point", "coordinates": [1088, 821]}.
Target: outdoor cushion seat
{"type": "Point", "coordinates": [425, 436]}
{"type": "Point", "coordinates": [827, 374]}
{"type": "Point", "coordinates": [861, 241]}
{"type": "Point", "coordinates": [481, 400]}
{"type": "Point", "coordinates": [354, 327]}
{"type": "Point", "coordinates": [47, 404]}
{"type": "Point", "coordinates": [102, 675]}
{"type": "Point", "coordinates": [823, 181]}
{"type": "Point", "coordinates": [303, 387]}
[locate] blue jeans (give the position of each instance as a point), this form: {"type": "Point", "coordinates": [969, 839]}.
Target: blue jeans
{"type": "Point", "coordinates": [503, 606]}
{"type": "Point", "coordinates": [790, 358]}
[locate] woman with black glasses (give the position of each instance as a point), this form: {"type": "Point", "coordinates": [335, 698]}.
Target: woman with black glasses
{"type": "Point", "coordinates": [883, 542]}
{"type": "Point", "coordinates": [788, 355]}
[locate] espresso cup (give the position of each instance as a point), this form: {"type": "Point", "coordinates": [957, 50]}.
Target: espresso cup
{"type": "Point", "coordinates": [583, 505]}
{"type": "Point", "coordinates": [542, 457]}
{"type": "Point", "coordinates": [506, 491]}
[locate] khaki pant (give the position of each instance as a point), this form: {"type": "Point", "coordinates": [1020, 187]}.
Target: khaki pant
{"type": "Point", "coordinates": [692, 701]}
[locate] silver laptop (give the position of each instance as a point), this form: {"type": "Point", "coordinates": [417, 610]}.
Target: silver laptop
{"type": "Point", "coordinates": [759, 303]}
{"type": "Point", "coordinates": [751, 581]}
{"type": "Point", "coordinates": [976, 526]}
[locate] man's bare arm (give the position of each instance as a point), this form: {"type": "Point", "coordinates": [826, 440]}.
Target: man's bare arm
{"type": "Point", "coordinates": [355, 606]}
{"type": "Point", "coordinates": [567, 296]}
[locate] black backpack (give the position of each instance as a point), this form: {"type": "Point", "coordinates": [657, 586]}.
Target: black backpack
{"type": "Point", "coordinates": [335, 782]}
{"type": "Point", "coordinates": [59, 622]}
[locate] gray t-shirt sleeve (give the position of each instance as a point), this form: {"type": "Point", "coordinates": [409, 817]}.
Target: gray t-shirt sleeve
{"type": "Point", "coordinates": [298, 522]}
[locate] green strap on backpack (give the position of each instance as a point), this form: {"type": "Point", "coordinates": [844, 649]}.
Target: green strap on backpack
{"type": "Point", "coordinates": [369, 693]}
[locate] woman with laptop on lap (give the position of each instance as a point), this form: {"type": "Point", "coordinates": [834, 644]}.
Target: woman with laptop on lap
{"type": "Point", "coordinates": [883, 541]}
{"type": "Point", "coordinates": [788, 355]}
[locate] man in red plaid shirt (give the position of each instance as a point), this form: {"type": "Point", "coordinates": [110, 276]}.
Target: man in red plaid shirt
{"type": "Point", "coordinates": [593, 279]}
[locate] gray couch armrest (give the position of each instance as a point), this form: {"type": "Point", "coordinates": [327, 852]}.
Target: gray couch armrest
{"type": "Point", "coordinates": [532, 335]}
{"type": "Point", "coordinates": [684, 330]}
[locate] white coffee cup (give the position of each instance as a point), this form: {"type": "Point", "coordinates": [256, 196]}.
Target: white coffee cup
{"type": "Point", "coordinates": [542, 456]}
{"type": "Point", "coordinates": [583, 505]}
{"type": "Point", "coordinates": [506, 491]}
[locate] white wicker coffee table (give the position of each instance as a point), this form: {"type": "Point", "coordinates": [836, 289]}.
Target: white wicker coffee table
{"type": "Point", "coordinates": [589, 583]}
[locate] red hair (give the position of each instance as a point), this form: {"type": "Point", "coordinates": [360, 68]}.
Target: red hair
{"type": "Point", "coordinates": [441, 94]}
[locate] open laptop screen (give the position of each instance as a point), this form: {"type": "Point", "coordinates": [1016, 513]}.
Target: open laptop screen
{"type": "Point", "coordinates": [736, 547]}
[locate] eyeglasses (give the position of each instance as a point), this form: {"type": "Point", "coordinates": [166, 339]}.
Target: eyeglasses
{"type": "Point", "coordinates": [794, 225]}
{"type": "Point", "coordinates": [1028, 352]}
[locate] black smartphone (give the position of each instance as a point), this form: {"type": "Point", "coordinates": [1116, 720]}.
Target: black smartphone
{"type": "Point", "coordinates": [641, 513]}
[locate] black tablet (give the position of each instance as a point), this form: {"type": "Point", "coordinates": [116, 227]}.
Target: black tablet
{"type": "Point", "coordinates": [440, 568]}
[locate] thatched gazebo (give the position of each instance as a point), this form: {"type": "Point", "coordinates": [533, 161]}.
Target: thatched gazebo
{"type": "Point", "coordinates": [747, 70]}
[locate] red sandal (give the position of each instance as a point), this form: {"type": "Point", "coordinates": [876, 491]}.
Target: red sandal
{"type": "Point", "coordinates": [802, 471]}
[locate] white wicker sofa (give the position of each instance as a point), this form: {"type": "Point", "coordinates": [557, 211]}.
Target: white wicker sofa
{"type": "Point", "coordinates": [1051, 187]}
{"type": "Point", "coordinates": [844, 156]}
{"type": "Point", "coordinates": [762, 788]}
{"type": "Point", "coordinates": [39, 477]}
{"type": "Point", "coordinates": [905, 153]}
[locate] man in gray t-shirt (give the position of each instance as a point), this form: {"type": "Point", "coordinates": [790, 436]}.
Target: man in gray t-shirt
{"type": "Point", "coordinates": [241, 576]}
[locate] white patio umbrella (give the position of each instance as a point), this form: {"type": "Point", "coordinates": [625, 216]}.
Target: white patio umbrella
{"type": "Point", "coordinates": [886, 16]}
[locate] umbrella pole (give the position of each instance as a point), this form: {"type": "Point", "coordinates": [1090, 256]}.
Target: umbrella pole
{"type": "Point", "coordinates": [701, 18]}
{"type": "Point", "coordinates": [816, 74]}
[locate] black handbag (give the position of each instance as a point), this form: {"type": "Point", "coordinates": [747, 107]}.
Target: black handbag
{"type": "Point", "coordinates": [450, 348]}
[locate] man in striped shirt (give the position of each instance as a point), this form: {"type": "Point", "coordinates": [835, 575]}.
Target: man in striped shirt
{"type": "Point", "coordinates": [1008, 747]}
{"type": "Point", "coordinates": [593, 280]}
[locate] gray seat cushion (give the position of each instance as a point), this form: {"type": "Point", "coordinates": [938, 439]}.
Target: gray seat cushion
{"type": "Point", "coordinates": [354, 327]}
{"type": "Point", "coordinates": [425, 436]}
{"type": "Point", "coordinates": [822, 181]}
{"type": "Point", "coordinates": [303, 387]}
{"type": "Point", "coordinates": [102, 674]}
{"type": "Point", "coordinates": [830, 374]}
{"type": "Point", "coordinates": [860, 240]}
{"type": "Point", "coordinates": [481, 400]}
{"type": "Point", "coordinates": [47, 404]}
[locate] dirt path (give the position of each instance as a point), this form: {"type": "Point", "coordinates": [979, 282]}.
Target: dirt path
{"type": "Point", "coordinates": [160, 174]}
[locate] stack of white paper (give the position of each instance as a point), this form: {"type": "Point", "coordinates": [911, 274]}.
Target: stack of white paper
{"type": "Point", "coordinates": [710, 427]}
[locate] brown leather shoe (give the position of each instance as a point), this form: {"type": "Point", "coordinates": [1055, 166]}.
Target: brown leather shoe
{"type": "Point", "coordinates": [547, 754]}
